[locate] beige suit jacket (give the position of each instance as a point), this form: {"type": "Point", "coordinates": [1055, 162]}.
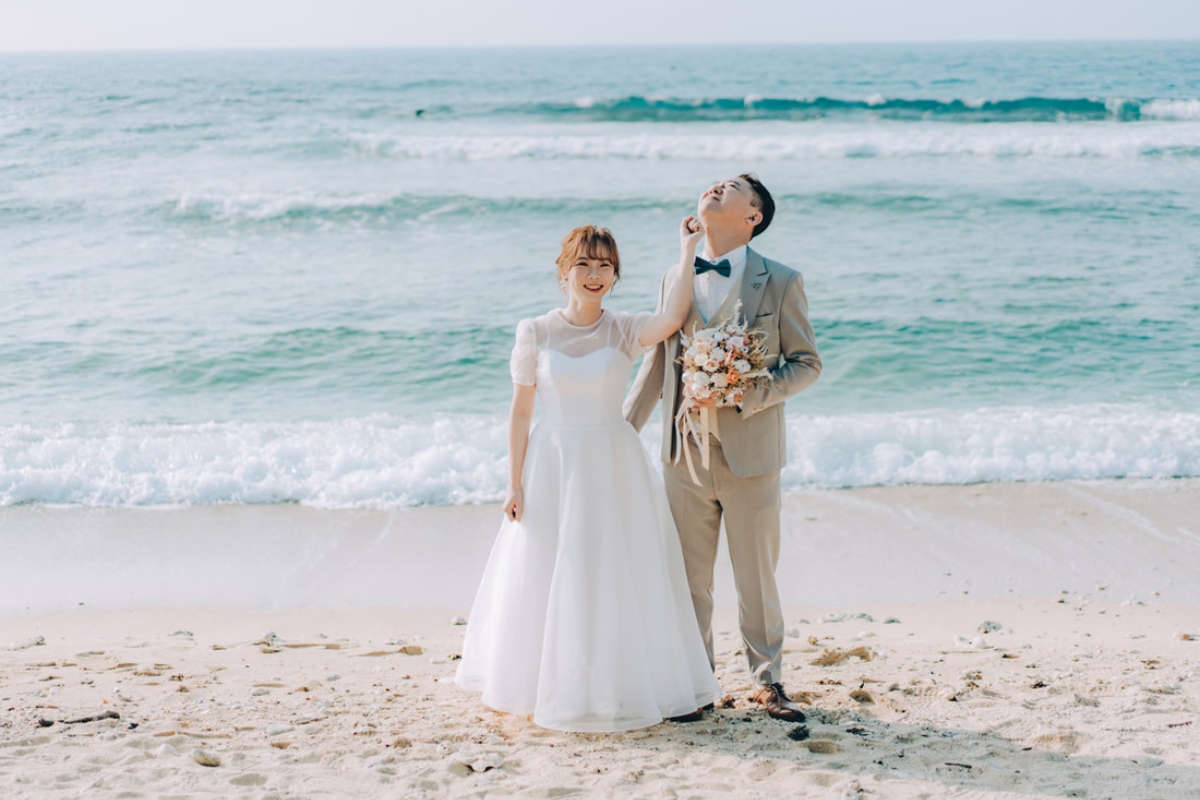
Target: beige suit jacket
{"type": "Point", "coordinates": [754, 438]}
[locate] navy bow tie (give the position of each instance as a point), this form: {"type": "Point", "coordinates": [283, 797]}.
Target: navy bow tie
{"type": "Point", "coordinates": [722, 267]}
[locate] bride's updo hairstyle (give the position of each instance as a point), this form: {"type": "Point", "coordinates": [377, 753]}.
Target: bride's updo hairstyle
{"type": "Point", "coordinates": [590, 242]}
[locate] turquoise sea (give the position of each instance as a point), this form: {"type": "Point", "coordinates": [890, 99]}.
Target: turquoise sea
{"type": "Point", "coordinates": [262, 277]}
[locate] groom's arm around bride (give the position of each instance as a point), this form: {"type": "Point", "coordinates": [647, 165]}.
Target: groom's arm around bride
{"type": "Point", "coordinates": [742, 484]}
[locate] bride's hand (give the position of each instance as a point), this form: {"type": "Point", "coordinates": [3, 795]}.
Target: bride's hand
{"type": "Point", "coordinates": [691, 231]}
{"type": "Point", "coordinates": [514, 505]}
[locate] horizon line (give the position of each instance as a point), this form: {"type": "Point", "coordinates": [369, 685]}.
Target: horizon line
{"type": "Point", "coordinates": [588, 46]}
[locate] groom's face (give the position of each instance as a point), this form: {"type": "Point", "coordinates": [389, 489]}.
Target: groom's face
{"type": "Point", "coordinates": [728, 203]}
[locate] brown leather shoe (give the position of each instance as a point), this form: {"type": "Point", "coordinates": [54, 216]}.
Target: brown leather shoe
{"type": "Point", "coordinates": [776, 702]}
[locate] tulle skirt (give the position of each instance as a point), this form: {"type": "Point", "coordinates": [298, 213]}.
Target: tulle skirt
{"type": "Point", "coordinates": [584, 619]}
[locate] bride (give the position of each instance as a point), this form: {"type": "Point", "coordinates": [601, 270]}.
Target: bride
{"type": "Point", "coordinates": [584, 619]}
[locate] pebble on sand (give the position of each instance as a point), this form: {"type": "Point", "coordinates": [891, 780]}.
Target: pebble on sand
{"type": "Point", "coordinates": [798, 733]}
{"type": "Point", "coordinates": [852, 792]}
{"type": "Point", "coordinates": [458, 620]}
{"type": "Point", "coordinates": [978, 643]}
{"type": "Point", "coordinates": [36, 641]}
{"type": "Point", "coordinates": [206, 759]}
{"type": "Point", "coordinates": [479, 760]}
{"type": "Point", "coordinates": [268, 639]}
{"type": "Point", "coordinates": [845, 617]}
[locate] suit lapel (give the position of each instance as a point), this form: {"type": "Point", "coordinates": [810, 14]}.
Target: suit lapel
{"type": "Point", "coordinates": [754, 283]}
{"type": "Point", "coordinates": [746, 291]}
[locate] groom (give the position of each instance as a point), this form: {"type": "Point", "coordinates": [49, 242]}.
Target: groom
{"type": "Point", "coordinates": [749, 445]}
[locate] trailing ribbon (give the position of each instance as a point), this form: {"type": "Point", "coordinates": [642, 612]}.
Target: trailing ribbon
{"type": "Point", "coordinates": [684, 420]}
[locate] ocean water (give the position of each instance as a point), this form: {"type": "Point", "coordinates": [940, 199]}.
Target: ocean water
{"type": "Point", "coordinates": [294, 276]}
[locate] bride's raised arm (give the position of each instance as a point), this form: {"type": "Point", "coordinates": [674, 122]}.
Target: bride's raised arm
{"type": "Point", "coordinates": [678, 292]}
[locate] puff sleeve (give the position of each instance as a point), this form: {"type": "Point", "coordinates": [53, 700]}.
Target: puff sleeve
{"type": "Point", "coordinates": [523, 363]}
{"type": "Point", "coordinates": [631, 326]}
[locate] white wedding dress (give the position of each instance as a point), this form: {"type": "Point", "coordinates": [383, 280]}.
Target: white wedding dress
{"type": "Point", "coordinates": [584, 619]}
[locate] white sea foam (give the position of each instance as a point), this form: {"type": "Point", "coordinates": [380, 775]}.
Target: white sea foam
{"type": "Point", "coordinates": [386, 462]}
{"type": "Point", "coordinates": [1171, 109]}
{"type": "Point", "coordinates": [376, 461]}
{"type": "Point", "coordinates": [1004, 444]}
{"type": "Point", "coordinates": [1031, 140]}
{"type": "Point", "coordinates": [261, 207]}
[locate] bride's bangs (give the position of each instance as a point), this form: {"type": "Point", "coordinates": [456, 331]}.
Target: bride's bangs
{"type": "Point", "coordinates": [589, 241]}
{"type": "Point", "coordinates": [600, 245]}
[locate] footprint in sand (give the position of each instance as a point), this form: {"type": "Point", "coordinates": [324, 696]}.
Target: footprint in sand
{"type": "Point", "coordinates": [1060, 741]}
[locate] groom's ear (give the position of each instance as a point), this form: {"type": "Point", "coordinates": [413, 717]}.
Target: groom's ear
{"type": "Point", "coordinates": [755, 218]}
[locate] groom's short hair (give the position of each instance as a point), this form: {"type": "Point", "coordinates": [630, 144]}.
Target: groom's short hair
{"type": "Point", "coordinates": [763, 202]}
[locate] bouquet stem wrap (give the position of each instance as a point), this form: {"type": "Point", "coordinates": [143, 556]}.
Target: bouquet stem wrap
{"type": "Point", "coordinates": [720, 363]}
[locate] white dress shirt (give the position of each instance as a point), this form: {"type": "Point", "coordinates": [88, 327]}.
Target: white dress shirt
{"type": "Point", "coordinates": [710, 289]}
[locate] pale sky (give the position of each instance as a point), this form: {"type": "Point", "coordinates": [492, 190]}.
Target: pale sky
{"type": "Point", "coordinates": [168, 24]}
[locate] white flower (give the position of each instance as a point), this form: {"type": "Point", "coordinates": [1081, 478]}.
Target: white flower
{"type": "Point", "coordinates": [742, 365]}
{"type": "Point", "coordinates": [719, 336]}
{"type": "Point", "coordinates": [719, 380]}
{"type": "Point", "coordinates": [711, 365]}
{"type": "Point", "coordinates": [718, 354]}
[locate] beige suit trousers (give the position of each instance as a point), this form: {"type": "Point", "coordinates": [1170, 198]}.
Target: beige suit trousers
{"type": "Point", "coordinates": [751, 510]}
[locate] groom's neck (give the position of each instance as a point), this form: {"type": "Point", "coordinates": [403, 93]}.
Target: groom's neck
{"type": "Point", "coordinates": [718, 242]}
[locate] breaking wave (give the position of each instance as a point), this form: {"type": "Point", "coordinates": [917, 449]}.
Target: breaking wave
{"type": "Point", "coordinates": [384, 461]}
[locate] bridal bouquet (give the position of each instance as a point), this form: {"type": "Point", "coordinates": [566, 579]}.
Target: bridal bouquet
{"type": "Point", "coordinates": [720, 363]}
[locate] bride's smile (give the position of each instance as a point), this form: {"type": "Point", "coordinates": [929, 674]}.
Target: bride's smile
{"type": "Point", "coordinates": [595, 276]}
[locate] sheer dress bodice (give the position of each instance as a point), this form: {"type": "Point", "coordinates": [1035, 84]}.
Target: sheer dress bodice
{"type": "Point", "coordinates": [581, 372]}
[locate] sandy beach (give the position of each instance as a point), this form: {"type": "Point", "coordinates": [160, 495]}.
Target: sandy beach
{"type": "Point", "coordinates": [1009, 640]}
{"type": "Point", "coordinates": [264, 273]}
